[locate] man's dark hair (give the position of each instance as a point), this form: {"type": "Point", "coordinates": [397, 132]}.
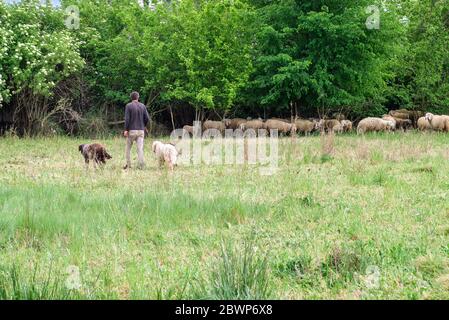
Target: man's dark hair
{"type": "Point", "coordinates": [135, 96]}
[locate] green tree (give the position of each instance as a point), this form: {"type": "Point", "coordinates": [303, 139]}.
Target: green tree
{"type": "Point", "coordinates": [320, 55]}
{"type": "Point", "coordinates": [194, 52]}
{"type": "Point", "coordinates": [110, 53]}
{"type": "Point", "coordinates": [37, 52]}
{"type": "Point", "coordinates": [422, 72]}
{"type": "Point", "coordinates": [198, 52]}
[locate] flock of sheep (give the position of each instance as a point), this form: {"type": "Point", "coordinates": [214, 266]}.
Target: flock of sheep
{"type": "Point", "coordinates": [405, 120]}
{"type": "Point", "coordinates": [395, 120]}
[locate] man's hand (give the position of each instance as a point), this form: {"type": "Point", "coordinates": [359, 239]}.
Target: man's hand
{"type": "Point", "coordinates": [125, 134]}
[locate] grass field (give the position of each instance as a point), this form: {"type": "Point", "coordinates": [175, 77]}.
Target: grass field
{"type": "Point", "coordinates": [366, 220]}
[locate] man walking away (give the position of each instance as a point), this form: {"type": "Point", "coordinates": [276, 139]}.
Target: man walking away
{"type": "Point", "coordinates": [136, 120]}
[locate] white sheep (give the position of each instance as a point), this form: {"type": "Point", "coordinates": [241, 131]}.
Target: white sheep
{"type": "Point", "coordinates": [375, 124]}
{"type": "Point", "coordinates": [423, 124]}
{"type": "Point", "coordinates": [438, 123]}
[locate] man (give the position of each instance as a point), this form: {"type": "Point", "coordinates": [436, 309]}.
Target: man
{"type": "Point", "coordinates": [136, 120]}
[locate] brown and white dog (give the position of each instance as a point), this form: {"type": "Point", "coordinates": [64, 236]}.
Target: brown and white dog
{"type": "Point", "coordinates": [94, 152]}
{"type": "Point", "coordinates": [165, 153]}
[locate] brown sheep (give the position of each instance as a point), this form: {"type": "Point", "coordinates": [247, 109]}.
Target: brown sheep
{"type": "Point", "coordinates": [347, 125]}
{"type": "Point", "coordinates": [399, 114]}
{"type": "Point", "coordinates": [407, 114]}
{"type": "Point", "coordinates": [189, 129]}
{"type": "Point", "coordinates": [403, 124]}
{"type": "Point", "coordinates": [338, 128]}
{"type": "Point", "coordinates": [375, 124]}
{"type": "Point", "coordinates": [330, 125]}
{"type": "Point", "coordinates": [219, 125]}
{"type": "Point", "coordinates": [413, 114]}
{"type": "Point", "coordinates": [438, 123]}
{"type": "Point", "coordinates": [424, 125]}
{"type": "Point", "coordinates": [252, 124]}
{"type": "Point", "coordinates": [281, 126]}
{"type": "Point", "coordinates": [305, 126]}
{"type": "Point", "coordinates": [235, 123]}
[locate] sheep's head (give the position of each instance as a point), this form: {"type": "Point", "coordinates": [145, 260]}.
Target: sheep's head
{"type": "Point", "coordinates": [347, 125]}
{"type": "Point", "coordinates": [293, 128]}
{"type": "Point", "coordinates": [429, 116]}
{"type": "Point", "coordinates": [320, 124]}
{"type": "Point", "coordinates": [155, 145]}
{"type": "Point", "coordinates": [227, 122]}
{"type": "Point", "coordinates": [390, 125]}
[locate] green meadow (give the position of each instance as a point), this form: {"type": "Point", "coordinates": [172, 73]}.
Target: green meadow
{"type": "Point", "coordinates": [345, 217]}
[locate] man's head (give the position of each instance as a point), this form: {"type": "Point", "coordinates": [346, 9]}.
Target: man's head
{"type": "Point", "coordinates": [135, 96]}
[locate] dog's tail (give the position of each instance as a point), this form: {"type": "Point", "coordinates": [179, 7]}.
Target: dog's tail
{"type": "Point", "coordinates": [107, 155]}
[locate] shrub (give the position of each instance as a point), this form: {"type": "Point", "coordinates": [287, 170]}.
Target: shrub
{"type": "Point", "coordinates": [93, 124]}
{"type": "Point", "coordinates": [37, 52]}
{"type": "Point", "coordinates": [240, 274]}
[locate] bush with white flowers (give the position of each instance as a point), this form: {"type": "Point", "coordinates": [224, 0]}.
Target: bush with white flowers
{"type": "Point", "coordinates": [36, 49]}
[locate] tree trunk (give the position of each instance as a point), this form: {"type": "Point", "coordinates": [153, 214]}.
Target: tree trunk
{"type": "Point", "coordinates": [171, 115]}
{"type": "Point", "coordinates": [291, 112]}
{"type": "Point", "coordinates": [296, 110]}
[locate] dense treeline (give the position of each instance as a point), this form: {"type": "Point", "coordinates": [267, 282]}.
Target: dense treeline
{"type": "Point", "coordinates": [197, 59]}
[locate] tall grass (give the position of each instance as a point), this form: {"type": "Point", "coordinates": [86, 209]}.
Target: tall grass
{"type": "Point", "coordinates": [239, 274]}
{"type": "Point", "coordinates": [15, 285]}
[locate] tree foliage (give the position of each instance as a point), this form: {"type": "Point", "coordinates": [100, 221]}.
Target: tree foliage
{"type": "Point", "coordinates": [242, 57]}
{"type": "Point", "coordinates": [422, 73]}
{"type": "Point", "coordinates": [36, 50]}
{"type": "Point", "coordinates": [195, 52]}
{"type": "Point", "coordinates": [321, 55]}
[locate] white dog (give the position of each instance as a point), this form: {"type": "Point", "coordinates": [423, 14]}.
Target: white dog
{"type": "Point", "coordinates": [165, 152]}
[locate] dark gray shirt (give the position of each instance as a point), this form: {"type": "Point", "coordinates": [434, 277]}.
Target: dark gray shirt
{"type": "Point", "coordinates": [136, 116]}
